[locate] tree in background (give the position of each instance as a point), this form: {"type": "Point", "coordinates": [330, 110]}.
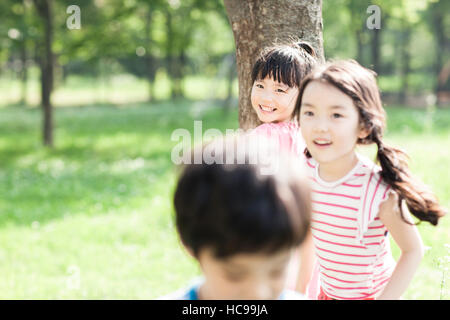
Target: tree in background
{"type": "Point", "coordinates": [46, 61]}
{"type": "Point", "coordinates": [257, 24]}
{"type": "Point", "coordinates": [19, 14]}
{"type": "Point", "coordinates": [437, 18]}
{"type": "Point", "coordinates": [150, 61]}
{"type": "Point", "coordinates": [404, 17]}
{"type": "Point", "coordinates": [357, 11]}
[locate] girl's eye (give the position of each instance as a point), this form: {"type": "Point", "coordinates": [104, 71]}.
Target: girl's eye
{"type": "Point", "coordinates": [337, 115]}
{"type": "Point", "coordinates": [281, 90]}
{"type": "Point", "coordinates": [258, 85]}
{"type": "Point", "coordinates": [308, 113]}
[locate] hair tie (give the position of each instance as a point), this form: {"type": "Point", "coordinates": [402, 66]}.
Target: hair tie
{"type": "Point", "coordinates": [307, 47]}
{"type": "Point", "coordinates": [379, 144]}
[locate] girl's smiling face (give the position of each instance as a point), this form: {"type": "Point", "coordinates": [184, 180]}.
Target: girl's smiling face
{"type": "Point", "coordinates": [273, 101]}
{"type": "Point", "coordinates": [330, 124]}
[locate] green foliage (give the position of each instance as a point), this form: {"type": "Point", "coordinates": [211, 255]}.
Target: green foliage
{"type": "Point", "coordinates": [191, 37]}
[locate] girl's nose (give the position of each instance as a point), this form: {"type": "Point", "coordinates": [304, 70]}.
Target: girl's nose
{"type": "Point", "coordinates": [266, 96]}
{"type": "Point", "coordinates": [321, 125]}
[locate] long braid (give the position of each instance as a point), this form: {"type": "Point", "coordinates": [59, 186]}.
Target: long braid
{"type": "Point", "coordinates": [420, 200]}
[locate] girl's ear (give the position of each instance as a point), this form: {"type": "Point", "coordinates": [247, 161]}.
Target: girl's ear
{"type": "Point", "coordinates": [363, 131]}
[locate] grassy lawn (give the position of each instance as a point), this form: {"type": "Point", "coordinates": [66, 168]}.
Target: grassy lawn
{"type": "Point", "coordinates": [92, 218]}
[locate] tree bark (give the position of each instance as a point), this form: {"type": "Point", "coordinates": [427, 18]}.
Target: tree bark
{"type": "Point", "coordinates": [259, 23]}
{"type": "Point", "coordinates": [44, 8]}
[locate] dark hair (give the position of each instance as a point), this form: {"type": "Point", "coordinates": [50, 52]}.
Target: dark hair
{"type": "Point", "coordinates": [285, 63]}
{"type": "Point", "coordinates": [232, 208]}
{"type": "Point", "coordinates": [360, 85]}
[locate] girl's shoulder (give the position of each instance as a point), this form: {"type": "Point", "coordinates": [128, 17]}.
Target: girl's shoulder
{"type": "Point", "coordinates": [364, 172]}
{"type": "Point", "coordinates": [374, 192]}
{"type": "Point", "coordinates": [275, 127]}
{"type": "Point", "coordinates": [371, 171]}
{"type": "Point", "coordinates": [368, 174]}
{"type": "Point", "coordinates": [286, 135]}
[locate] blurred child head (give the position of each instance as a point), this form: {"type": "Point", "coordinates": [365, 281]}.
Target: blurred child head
{"type": "Point", "coordinates": [276, 77]}
{"type": "Point", "coordinates": [242, 226]}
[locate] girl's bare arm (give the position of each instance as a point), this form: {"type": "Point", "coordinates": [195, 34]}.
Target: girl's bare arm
{"type": "Point", "coordinates": [410, 243]}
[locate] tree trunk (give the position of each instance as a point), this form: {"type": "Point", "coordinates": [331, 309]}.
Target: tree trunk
{"type": "Point", "coordinates": [375, 43]}
{"type": "Point", "coordinates": [405, 64]}
{"type": "Point", "coordinates": [46, 65]}
{"type": "Point", "coordinates": [440, 40]}
{"type": "Point", "coordinates": [148, 57]}
{"type": "Point", "coordinates": [359, 46]}
{"type": "Point", "coordinates": [179, 73]}
{"type": "Point", "coordinates": [24, 55]}
{"type": "Point", "coordinates": [170, 54]}
{"type": "Point", "coordinates": [23, 72]}
{"type": "Point", "coordinates": [257, 24]}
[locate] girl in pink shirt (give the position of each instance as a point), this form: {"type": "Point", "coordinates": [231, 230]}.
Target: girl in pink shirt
{"type": "Point", "coordinates": [355, 202]}
{"type": "Point", "coordinates": [276, 77]}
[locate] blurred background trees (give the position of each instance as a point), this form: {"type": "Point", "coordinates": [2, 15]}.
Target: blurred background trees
{"type": "Point", "coordinates": [147, 50]}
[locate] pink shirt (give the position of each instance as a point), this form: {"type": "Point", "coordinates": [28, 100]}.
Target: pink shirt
{"type": "Point", "coordinates": [287, 137]}
{"type": "Point", "coordinates": [286, 134]}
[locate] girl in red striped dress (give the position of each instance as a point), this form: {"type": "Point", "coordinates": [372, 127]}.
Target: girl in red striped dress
{"type": "Point", "coordinates": [355, 202]}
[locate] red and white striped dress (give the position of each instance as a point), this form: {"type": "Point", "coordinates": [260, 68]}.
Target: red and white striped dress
{"type": "Point", "coordinates": [351, 242]}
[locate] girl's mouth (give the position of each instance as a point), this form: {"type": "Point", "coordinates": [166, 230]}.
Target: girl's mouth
{"type": "Point", "coordinates": [322, 143]}
{"type": "Point", "coordinates": [266, 109]}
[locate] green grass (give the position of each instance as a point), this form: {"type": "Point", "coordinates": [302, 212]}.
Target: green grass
{"type": "Point", "coordinates": [92, 218]}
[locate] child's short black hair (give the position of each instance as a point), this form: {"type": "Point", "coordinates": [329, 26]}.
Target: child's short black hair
{"type": "Point", "coordinates": [234, 209]}
{"type": "Point", "coordinates": [284, 63]}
